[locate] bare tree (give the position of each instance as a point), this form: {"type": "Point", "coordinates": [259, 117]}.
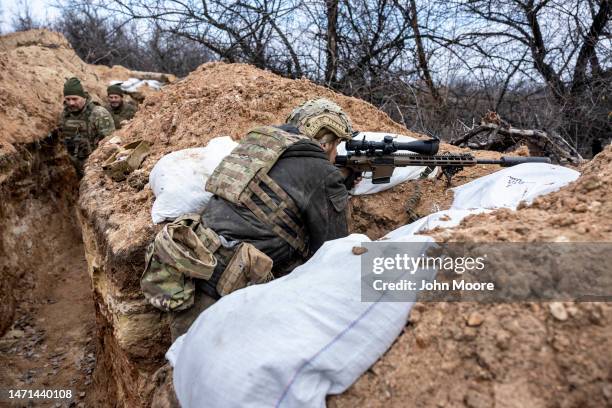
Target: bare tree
{"type": "Point", "coordinates": [105, 39]}
{"type": "Point", "coordinates": [236, 31]}
{"type": "Point", "coordinates": [411, 14]}
{"type": "Point", "coordinates": [165, 52]}
{"type": "Point", "coordinates": [373, 45]}
{"type": "Point", "coordinates": [552, 54]}
{"type": "Point", "coordinates": [94, 37]}
{"type": "Point", "coordinates": [437, 66]}
{"type": "Point", "coordinates": [23, 19]}
{"type": "Point", "coordinates": [555, 40]}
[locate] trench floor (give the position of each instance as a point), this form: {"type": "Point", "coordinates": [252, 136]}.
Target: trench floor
{"type": "Point", "coordinates": [51, 345]}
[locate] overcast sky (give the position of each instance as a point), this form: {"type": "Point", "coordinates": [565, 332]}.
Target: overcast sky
{"type": "Point", "coordinates": [42, 10]}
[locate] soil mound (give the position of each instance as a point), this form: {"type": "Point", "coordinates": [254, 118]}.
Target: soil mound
{"type": "Point", "coordinates": [508, 355]}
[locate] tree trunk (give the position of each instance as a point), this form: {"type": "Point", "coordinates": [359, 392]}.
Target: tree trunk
{"type": "Point", "coordinates": [331, 66]}
{"type": "Point", "coordinates": [423, 64]}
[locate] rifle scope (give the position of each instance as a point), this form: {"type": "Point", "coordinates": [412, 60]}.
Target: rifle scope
{"type": "Point", "coordinates": [388, 146]}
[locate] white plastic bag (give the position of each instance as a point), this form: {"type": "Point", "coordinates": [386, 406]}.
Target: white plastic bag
{"type": "Point", "coordinates": [178, 179]}
{"type": "Point", "coordinates": [132, 84]}
{"type": "Point", "coordinates": [400, 174]}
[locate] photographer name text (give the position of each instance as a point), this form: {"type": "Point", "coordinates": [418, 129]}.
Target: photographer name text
{"type": "Point", "coordinates": [408, 285]}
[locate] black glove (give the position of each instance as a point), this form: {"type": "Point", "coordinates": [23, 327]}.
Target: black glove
{"type": "Point", "coordinates": [349, 181]}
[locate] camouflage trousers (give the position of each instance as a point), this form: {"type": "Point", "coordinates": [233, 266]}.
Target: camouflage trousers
{"type": "Point", "coordinates": [181, 321]}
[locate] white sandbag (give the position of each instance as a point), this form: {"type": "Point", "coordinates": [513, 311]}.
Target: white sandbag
{"type": "Point", "coordinates": [508, 187]}
{"type": "Point", "coordinates": [289, 342]}
{"type": "Point", "coordinates": [400, 174]}
{"type": "Point", "coordinates": [132, 84]}
{"type": "Point", "coordinates": [178, 179]}
{"type": "Point", "coordinates": [503, 189]}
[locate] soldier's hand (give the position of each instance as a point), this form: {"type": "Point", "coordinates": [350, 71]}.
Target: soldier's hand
{"type": "Point", "coordinates": [351, 178]}
{"type": "Point", "coordinates": [51, 138]}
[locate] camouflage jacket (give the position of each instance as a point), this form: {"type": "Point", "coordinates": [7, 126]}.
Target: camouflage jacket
{"type": "Point", "coordinates": [125, 112]}
{"type": "Point", "coordinates": [317, 188]}
{"type": "Point", "coordinates": [81, 131]}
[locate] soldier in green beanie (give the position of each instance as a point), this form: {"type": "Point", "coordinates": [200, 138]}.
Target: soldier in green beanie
{"type": "Point", "coordinates": [82, 123]}
{"type": "Point", "coordinates": [120, 110]}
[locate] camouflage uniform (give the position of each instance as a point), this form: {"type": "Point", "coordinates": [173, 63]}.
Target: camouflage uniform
{"type": "Point", "coordinates": [124, 112]}
{"type": "Point", "coordinates": [278, 194]}
{"type": "Point", "coordinates": [316, 188]}
{"type": "Point", "coordinates": [81, 131]}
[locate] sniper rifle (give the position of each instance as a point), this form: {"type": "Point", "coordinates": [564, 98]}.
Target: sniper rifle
{"type": "Point", "coordinates": [381, 158]}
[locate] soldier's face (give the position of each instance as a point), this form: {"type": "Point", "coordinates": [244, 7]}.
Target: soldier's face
{"type": "Point", "coordinates": [74, 103]}
{"type": "Point", "coordinates": [331, 149]}
{"type": "Point", "coordinates": [115, 101]}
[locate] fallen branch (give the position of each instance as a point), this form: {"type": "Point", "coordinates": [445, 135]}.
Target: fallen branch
{"type": "Point", "coordinates": [507, 136]}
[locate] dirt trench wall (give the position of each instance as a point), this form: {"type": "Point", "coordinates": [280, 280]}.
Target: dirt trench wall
{"type": "Point", "coordinates": [44, 295]}
{"type": "Point", "coordinates": [131, 336]}
{"type": "Point", "coordinates": [33, 67]}
{"type": "Point", "coordinates": [38, 183]}
{"type": "Point", "coordinates": [35, 182]}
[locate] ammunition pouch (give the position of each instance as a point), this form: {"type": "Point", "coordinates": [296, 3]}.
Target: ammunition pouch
{"type": "Point", "coordinates": [185, 250]}
{"type": "Point", "coordinates": [247, 266]}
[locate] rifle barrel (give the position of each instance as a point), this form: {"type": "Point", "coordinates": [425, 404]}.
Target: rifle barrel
{"type": "Point", "coordinates": [507, 161]}
{"type": "Point", "coordinates": [444, 160]}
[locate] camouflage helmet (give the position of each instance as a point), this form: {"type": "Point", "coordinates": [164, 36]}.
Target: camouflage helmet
{"type": "Point", "coordinates": [316, 114]}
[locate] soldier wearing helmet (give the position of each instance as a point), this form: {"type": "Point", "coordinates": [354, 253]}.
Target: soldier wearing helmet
{"type": "Point", "coordinates": [323, 121]}
{"type": "Point", "coordinates": [278, 192]}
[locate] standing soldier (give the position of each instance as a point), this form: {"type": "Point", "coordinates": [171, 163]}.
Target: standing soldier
{"type": "Point", "coordinates": [120, 110]}
{"type": "Point", "coordinates": [82, 124]}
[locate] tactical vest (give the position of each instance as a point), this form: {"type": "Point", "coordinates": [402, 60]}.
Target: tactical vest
{"type": "Point", "coordinates": [76, 132]}
{"type": "Point", "coordinates": [243, 175]}
{"type": "Point", "coordinates": [125, 112]}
